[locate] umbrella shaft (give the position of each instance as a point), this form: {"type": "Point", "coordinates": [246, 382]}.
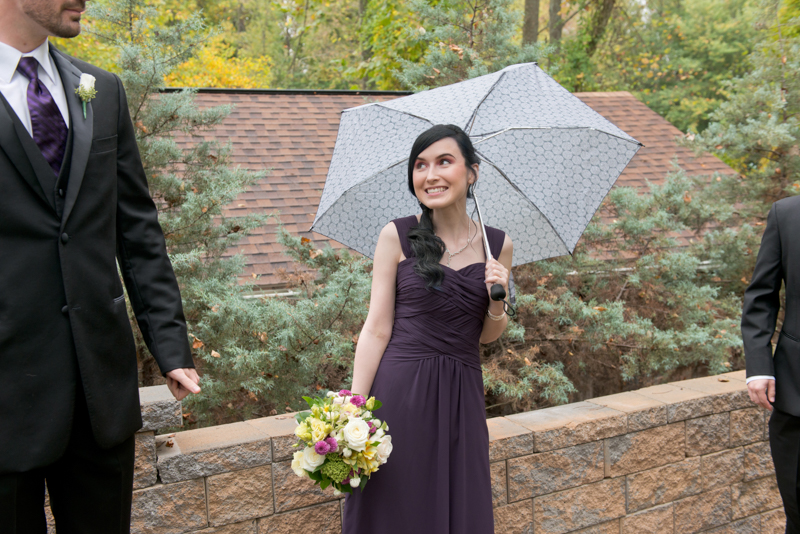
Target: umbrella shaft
{"type": "Point", "coordinates": [483, 229]}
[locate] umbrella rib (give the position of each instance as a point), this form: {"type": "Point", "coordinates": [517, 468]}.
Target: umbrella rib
{"type": "Point", "coordinates": [487, 136]}
{"type": "Point", "coordinates": [471, 121]}
{"type": "Point", "coordinates": [372, 178]}
{"type": "Point", "coordinates": [403, 112]}
{"type": "Point", "coordinates": [517, 189]}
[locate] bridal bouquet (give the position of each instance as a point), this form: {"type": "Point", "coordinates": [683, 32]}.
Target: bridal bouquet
{"type": "Point", "coordinates": [343, 442]}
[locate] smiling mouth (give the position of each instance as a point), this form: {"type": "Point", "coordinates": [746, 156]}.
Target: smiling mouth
{"type": "Point", "coordinates": [434, 190]}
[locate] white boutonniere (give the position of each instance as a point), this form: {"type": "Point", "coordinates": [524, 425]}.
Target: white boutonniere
{"type": "Point", "coordinates": [86, 90]}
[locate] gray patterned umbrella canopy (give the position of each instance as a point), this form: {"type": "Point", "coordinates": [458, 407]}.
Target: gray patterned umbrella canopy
{"type": "Point", "coordinates": [548, 160]}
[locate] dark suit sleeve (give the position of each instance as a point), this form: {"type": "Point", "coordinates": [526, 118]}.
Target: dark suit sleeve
{"type": "Point", "coordinates": [142, 253]}
{"type": "Point", "coordinates": [762, 302]}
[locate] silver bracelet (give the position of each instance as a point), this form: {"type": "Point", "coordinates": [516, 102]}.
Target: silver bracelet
{"type": "Point", "coordinates": [495, 317]}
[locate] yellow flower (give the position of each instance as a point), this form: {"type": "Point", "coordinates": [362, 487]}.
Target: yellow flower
{"type": "Point", "coordinates": [369, 460]}
{"type": "Point", "coordinates": [319, 429]}
{"type": "Point", "coordinates": [351, 409]}
{"type": "Point", "coordinates": [302, 431]}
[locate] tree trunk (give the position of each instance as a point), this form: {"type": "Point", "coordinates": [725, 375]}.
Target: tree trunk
{"type": "Point", "coordinates": [366, 51]}
{"type": "Point", "coordinates": [530, 28]}
{"type": "Point", "coordinates": [556, 24]}
{"type": "Point", "coordinates": [600, 17]}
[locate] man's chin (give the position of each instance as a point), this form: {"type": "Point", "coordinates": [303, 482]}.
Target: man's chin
{"type": "Point", "coordinates": [68, 30]}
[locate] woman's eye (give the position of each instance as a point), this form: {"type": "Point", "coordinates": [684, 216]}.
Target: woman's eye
{"type": "Point", "coordinates": [420, 165]}
{"type": "Point", "coordinates": [446, 162]}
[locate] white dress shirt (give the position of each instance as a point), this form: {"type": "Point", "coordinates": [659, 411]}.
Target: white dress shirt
{"type": "Point", "coordinates": [14, 85]}
{"type": "Point", "coordinates": [759, 377]}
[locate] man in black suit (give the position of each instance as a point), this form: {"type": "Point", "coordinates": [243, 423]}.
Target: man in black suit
{"type": "Point", "coordinates": [73, 202]}
{"type": "Point", "coordinates": [773, 381]}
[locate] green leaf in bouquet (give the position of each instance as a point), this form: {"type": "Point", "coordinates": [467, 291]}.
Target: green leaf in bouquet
{"type": "Point", "coordinates": [363, 483]}
{"type": "Point", "coordinates": [316, 476]}
{"type": "Point", "coordinates": [309, 401]}
{"type": "Point", "coordinates": [324, 483]}
{"type": "Point", "coordinates": [302, 416]}
{"type": "Point", "coordinates": [377, 406]}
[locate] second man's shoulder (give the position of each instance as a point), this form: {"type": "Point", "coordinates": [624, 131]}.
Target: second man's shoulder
{"type": "Point", "coordinates": [788, 203]}
{"type": "Point", "coordinates": [787, 210]}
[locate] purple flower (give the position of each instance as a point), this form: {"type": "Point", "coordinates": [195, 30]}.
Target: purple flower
{"type": "Point", "coordinates": [358, 400]}
{"type": "Point", "coordinates": [334, 445]}
{"type": "Point", "coordinates": [322, 448]}
{"type": "Point", "coordinates": [372, 428]}
{"type": "Point", "coordinates": [345, 393]}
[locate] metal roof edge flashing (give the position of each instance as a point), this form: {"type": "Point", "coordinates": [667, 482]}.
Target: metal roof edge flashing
{"type": "Point", "coordinates": [234, 91]}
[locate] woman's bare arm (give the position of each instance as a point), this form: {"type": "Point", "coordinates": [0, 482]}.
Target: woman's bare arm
{"type": "Point", "coordinates": [377, 328]}
{"type": "Point", "coordinates": [494, 329]}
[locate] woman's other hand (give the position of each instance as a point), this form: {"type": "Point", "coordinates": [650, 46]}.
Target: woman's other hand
{"type": "Point", "coordinates": [496, 273]}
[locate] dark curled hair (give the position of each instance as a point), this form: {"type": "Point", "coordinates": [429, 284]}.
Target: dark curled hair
{"type": "Point", "coordinates": [428, 248]}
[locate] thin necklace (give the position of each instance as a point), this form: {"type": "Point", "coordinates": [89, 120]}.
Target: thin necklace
{"type": "Point", "coordinates": [451, 254]}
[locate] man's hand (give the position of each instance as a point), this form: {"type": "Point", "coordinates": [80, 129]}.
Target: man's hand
{"type": "Point", "coordinates": [762, 392]}
{"type": "Point", "coordinates": [181, 382]}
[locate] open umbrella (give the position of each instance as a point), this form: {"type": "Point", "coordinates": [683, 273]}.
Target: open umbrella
{"type": "Point", "coordinates": [548, 160]}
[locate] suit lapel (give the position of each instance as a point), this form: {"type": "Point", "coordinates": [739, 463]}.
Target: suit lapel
{"type": "Point", "coordinates": [82, 129]}
{"type": "Point", "coordinates": [21, 149]}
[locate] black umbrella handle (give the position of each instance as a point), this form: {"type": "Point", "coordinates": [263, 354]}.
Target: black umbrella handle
{"type": "Point", "coordinates": [497, 292]}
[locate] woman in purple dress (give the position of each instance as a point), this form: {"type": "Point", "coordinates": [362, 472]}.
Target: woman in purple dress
{"type": "Point", "coordinates": [418, 352]}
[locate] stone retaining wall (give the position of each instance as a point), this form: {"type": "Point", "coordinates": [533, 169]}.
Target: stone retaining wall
{"type": "Point", "coordinates": [681, 458]}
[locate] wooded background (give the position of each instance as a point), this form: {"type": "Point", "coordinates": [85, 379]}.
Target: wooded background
{"type": "Point", "coordinates": [635, 305]}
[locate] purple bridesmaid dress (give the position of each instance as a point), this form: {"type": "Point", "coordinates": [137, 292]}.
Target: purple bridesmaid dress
{"type": "Point", "coordinates": [437, 479]}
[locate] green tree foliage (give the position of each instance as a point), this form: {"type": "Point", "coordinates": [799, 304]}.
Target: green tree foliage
{"type": "Point", "coordinates": [639, 302]}
{"type": "Point", "coordinates": [323, 44]}
{"type": "Point", "coordinates": [191, 185]}
{"type": "Point", "coordinates": [757, 129]}
{"type": "Point", "coordinates": [463, 39]}
{"type": "Point", "coordinates": [674, 55]}
{"type": "Point", "coordinates": [653, 290]}
{"type": "Point", "coordinates": [286, 347]}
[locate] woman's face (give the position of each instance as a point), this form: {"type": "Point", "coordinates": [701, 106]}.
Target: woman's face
{"type": "Point", "coordinates": [441, 176]}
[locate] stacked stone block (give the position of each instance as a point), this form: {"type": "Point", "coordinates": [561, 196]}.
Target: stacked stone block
{"type": "Point", "coordinates": [682, 458]}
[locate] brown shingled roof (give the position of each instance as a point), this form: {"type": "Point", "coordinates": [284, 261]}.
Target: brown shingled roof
{"type": "Point", "coordinates": [293, 134]}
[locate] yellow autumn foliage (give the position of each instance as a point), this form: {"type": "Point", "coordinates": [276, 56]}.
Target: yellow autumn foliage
{"type": "Point", "coordinates": [216, 65]}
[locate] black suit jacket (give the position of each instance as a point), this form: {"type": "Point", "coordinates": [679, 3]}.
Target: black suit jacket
{"type": "Point", "coordinates": [778, 262]}
{"type": "Point", "coordinates": [62, 310]}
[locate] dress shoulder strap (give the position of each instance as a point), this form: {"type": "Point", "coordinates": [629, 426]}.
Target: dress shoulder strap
{"type": "Point", "coordinates": [496, 239]}
{"type": "Point", "coordinates": [403, 225]}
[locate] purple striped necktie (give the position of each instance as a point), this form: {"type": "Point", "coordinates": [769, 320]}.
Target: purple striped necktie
{"type": "Point", "coordinates": [49, 129]}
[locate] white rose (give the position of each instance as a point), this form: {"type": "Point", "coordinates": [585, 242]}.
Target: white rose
{"type": "Point", "coordinates": [341, 400]}
{"type": "Point", "coordinates": [86, 82]}
{"type": "Point", "coordinates": [377, 435]}
{"type": "Point", "coordinates": [331, 394]}
{"type": "Point", "coordinates": [385, 449]}
{"type": "Point", "coordinates": [356, 433]}
{"type": "Point", "coordinates": [347, 453]}
{"type": "Point", "coordinates": [354, 482]}
{"type": "Point", "coordinates": [366, 415]}
{"type": "Point", "coordinates": [297, 465]}
{"type": "Point", "coordinates": [312, 460]}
